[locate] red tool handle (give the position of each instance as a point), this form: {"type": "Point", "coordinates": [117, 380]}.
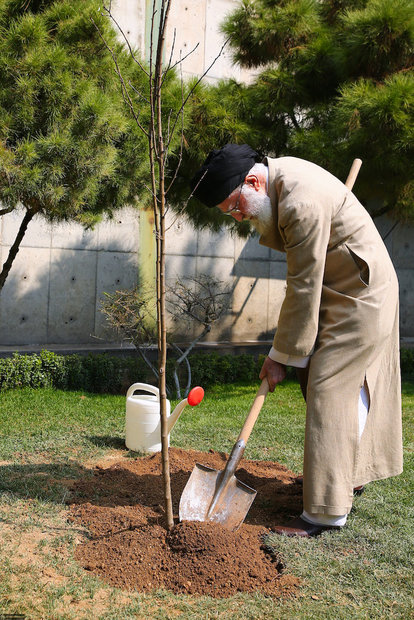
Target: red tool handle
{"type": "Point", "coordinates": [195, 396]}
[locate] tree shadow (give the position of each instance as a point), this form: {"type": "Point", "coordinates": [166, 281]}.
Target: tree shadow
{"type": "Point", "coordinates": [43, 481]}
{"type": "Point", "coordinates": [107, 441]}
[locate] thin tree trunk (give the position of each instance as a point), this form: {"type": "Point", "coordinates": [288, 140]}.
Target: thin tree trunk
{"type": "Point", "coordinates": [16, 246]}
{"type": "Point", "coordinates": [157, 148]}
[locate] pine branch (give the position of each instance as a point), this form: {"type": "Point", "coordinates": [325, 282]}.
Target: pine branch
{"type": "Point", "coordinates": [193, 88]}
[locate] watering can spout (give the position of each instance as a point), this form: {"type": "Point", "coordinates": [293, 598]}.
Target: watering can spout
{"type": "Point", "coordinates": [194, 397]}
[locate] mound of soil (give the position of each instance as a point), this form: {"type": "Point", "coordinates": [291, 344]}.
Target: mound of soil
{"type": "Point", "coordinates": [122, 507]}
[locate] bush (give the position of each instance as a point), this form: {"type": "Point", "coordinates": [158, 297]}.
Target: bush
{"type": "Point", "coordinates": [111, 374]}
{"type": "Point", "coordinates": [407, 362]}
{"type": "Point", "coordinates": [24, 370]}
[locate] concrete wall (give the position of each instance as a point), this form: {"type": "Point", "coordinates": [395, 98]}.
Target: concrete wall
{"type": "Point", "coordinates": [54, 291]}
{"type": "Point", "coordinates": [257, 275]}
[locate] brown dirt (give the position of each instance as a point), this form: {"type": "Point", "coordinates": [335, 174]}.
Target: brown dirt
{"type": "Point", "coordinates": [122, 507]}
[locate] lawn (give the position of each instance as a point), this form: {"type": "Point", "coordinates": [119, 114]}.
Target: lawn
{"type": "Point", "coordinates": [49, 438]}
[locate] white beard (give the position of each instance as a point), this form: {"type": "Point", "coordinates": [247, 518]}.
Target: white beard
{"type": "Point", "coordinates": [259, 209]}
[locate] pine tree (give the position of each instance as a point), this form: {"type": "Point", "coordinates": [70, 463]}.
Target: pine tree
{"type": "Point", "coordinates": [69, 147]}
{"type": "Point", "coordinates": [336, 82]}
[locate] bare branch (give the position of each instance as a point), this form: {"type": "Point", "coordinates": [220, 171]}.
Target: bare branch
{"type": "Point", "coordinates": [138, 92]}
{"type": "Point", "coordinates": [147, 361]}
{"type": "Point", "coordinates": [187, 387]}
{"type": "Point", "coordinates": [188, 350]}
{"type": "Point", "coordinates": [183, 208]}
{"type": "Point", "coordinates": [154, 196]}
{"type": "Point", "coordinates": [170, 60]}
{"type": "Point", "coordinates": [180, 156]}
{"type": "Point", "coordinates": [124, 90]}
{"type": "Point", "coordinates": [183, 58]}
{"type": "Point", "coordinates": [195, 86]}
{"type": "Point", "coordinates": [131, 51]}
{"type": "Point", "coordinates": [175, 373]}
{"type": "Point", "coordinates": [30, 213]}
{"type": "Point", "coordinates": [292, 117]}
{"type": "Point", "coordinates": [152, 144]}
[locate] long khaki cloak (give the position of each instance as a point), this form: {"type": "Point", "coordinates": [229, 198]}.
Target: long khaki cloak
{"type": "Point", "coordinates": [341, 306]}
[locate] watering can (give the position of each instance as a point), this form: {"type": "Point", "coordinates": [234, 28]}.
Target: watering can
{"type": "Point", "coordinates": [143, 421]}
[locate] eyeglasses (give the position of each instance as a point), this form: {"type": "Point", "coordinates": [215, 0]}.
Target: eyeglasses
{"type": "Point", "coordinates": [235, 209]}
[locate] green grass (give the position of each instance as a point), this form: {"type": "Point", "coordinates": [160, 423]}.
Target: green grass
{"type": "Point", "coordinates": [48, 438]}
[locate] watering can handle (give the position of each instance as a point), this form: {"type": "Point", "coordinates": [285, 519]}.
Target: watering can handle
{"type": "Point", "coordinates": [254, 411]}
{"type": "Point", "coordinates": [145, 387]}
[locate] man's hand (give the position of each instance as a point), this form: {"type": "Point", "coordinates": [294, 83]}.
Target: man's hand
{"type": "Point", "coordinates": [273, 371]}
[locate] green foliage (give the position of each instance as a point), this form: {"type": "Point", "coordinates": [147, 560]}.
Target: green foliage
{"type": "Point", "coordinates": [69, 145]}
{"type": "Point", "coordinates": [218, 114]}
{"type": "Point", "coordinates": [407, 362]}
{"type": "Point", "coordinates": [263, 30]}
{"type": "Point", "coordinates": [110, 374]}
{"type": "Point", "coordinates": [213, 368]}
{"type": "Point", "coordinates": [336, 82]}
{"type": "Point", "coordinates": [378, 38]}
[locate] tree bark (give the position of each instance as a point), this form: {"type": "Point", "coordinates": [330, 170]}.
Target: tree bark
{"type": "Point", "coordinates": [16, 246]}
{"type": "Point", "coordinates": [157, 148]}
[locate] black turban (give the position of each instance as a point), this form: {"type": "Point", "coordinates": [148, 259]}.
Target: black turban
{"type": "Point", "coordinates": [223, 171]}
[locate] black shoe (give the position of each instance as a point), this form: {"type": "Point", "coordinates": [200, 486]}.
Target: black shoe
{"type": "Point", "coordinates": [359, 490]}
{"type": "Point", "coordinates": [301, 528]}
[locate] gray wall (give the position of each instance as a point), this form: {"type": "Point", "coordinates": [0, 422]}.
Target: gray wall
{"type": "Point", "coordinates": [54, 291]}
{"type": "Point", "coordinates": [258, 274]}
{"type": "Point", "coordinates": [400, 244]}
{"type": "Point", "coordinates": [52, 294]}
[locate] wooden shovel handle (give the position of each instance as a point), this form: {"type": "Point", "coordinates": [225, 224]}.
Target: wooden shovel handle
{"type": "Point", "coordinates": [353, 173]}
{"type": "Point", "coordinates": [254, 411]}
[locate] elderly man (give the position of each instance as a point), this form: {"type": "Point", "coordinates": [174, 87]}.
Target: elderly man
{"type": "Point", "coordinates": [338, 323]}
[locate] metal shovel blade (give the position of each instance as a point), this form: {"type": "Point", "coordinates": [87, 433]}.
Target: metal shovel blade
{"type": "Point", "coordinates": [198, 494]}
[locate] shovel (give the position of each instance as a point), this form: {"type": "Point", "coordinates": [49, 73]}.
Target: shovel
{"type": "Point", "coordinates": [218, 496]}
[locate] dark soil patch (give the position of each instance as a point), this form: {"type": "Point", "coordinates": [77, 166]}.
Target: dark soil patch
{"type": "Point", "coordinates": [122, 506]}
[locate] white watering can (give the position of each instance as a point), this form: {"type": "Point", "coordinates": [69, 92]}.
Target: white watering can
{"type": "Point", "coordinates": [143, 422]}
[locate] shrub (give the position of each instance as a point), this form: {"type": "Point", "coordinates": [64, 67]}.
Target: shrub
{"type": "Point", "coordinates": [111, 374]}
{"type": "Point", "coordinates": [407, 362]}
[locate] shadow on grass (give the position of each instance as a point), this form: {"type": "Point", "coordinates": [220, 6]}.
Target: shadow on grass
{"type": "Point", "coordinates": [107, 441]}
{"type": "Point", "coordinates": [43, 481]}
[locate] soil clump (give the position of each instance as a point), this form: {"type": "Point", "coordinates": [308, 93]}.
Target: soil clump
{"type": "Point", "coordinates": [122, 507]}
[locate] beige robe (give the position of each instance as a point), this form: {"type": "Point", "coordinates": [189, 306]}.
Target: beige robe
{"type": "Point", "coordinates": [341, 303]}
